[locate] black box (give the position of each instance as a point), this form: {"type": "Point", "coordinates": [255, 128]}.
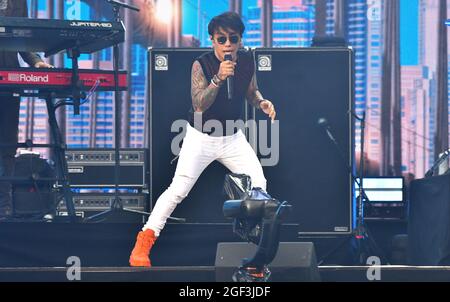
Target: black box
{"type": "Point", "coordinates": [305, 84]}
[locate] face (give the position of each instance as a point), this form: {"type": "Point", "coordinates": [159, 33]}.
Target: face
{"type": "Point", "coordinates": [226, 42]}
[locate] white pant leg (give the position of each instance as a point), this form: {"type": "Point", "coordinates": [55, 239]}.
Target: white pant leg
{"type": "Point", "coordinates": [195, 155]}
{"type": "Point", "coordinates": [239, 157]}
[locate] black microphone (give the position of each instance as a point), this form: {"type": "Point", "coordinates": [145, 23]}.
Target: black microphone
{"type": "Point", "coordinates": [228, 57]}
{"type": "Point", "coordinates": [436, 165]}
{"type": "Point", "coordinates": [122, 4]}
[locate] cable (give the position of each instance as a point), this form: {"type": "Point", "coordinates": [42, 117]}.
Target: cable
{"type": "Point", "coordinates": [407, 129]}
{"type": "Point", "coordinates": [91, 92]}
{"type": "Point", "coordinates": [403, 140]}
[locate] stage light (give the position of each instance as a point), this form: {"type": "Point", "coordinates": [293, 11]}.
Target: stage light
{"type": "Point", "coordinates": [164, 11]}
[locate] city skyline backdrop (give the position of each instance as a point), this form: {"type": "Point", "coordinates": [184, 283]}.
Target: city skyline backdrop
{"type": "Point", "coordinates": [294, 25]}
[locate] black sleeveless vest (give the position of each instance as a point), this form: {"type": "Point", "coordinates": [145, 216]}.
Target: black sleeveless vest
{"type": "Point", "coordinates": [224, 109]}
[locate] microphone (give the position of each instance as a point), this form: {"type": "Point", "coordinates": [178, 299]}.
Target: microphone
{"type": "Point", "coordinates": [323, 123]}
{"type": "Point", "coordinates": [228, 57]}
{"type": "Point", "coordinates": [434, 169]}
{"type": "Point", "coordinates": [121, 4]}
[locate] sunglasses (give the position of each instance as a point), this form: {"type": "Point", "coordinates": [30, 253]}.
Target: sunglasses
{"type": "Point", "coordinates": [233, 39]}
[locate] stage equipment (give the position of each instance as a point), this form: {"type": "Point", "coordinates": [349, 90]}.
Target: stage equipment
{"type": "Point", "coordinates": [169, 107]}
{"type": "Point", "coordinates": [94, 168]}
{"type": "Point", "coordinates": [305, 85]}
{"type": "Point", "coordinates": [89, 204]}
{"type": "Point", "coordinates": [51, 37]}
{"type": "Point", "coordinates": [59, 79]}
{"type": "Point", "coordinates": [364, 244]}
{"type": "Point", "coordinates": [34, 196]}
{"type": "Point", "coordinates": [117, 205]}
{"type": "Point", "coordinates": [441, 166]}
{"type": "Point", "coordinates": [257, 219]}
{"type": "Point", "coordinates": [294, 261]}
{"type": "Point", "coordinates": [386, 198]}
{"type": "Point", "coordinates": [429, 221]}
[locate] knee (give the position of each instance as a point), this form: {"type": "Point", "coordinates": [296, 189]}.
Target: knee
{"type": "Point", "coordinates": [179, 189]}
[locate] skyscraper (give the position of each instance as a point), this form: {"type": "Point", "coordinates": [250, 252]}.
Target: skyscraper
{"type": "Point", "coordinates": [415, 121]}
{"type": "Point", "coordinates": [374, 75]}
{"type": "Point", "coordinates": [428, 37]}
{"type": "Point", "coordinates": [357, 38]}
{"type": "Point", "coordinates": [293, 24]}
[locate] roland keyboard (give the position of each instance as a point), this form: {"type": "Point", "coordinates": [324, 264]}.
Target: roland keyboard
{"type": "Point", "coordinates": [59, 79]}
{"type": "Point", "coordinates": [52, 36]}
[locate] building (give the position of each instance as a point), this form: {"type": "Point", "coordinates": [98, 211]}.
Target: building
{"type": "Point", "coordinates": [293, 24]}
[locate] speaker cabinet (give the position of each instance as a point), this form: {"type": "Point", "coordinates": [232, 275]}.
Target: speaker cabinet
{"type": "Point", "coordinates": [304, 167]}
{"type": "Point", "coordinates": [294, 261]}
{"type": "Point", "coordinates": [170, 102]}
{"type": "Point", "coordinates": [429, 221]}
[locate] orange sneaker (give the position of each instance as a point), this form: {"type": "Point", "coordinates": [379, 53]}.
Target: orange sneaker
{"type": "Point", "coordinates": [140, 254]}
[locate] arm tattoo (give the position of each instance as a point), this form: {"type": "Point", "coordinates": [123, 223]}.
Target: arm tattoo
{"type": "Point", "coordinates": [254, 97]}
{"type": "Point", "coordinates": [203, 95]}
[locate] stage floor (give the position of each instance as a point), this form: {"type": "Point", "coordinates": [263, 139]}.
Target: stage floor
{"type": "Point", "coordinates": [207, 274]}
{"type": "Point", "coordinates": [31, 251]}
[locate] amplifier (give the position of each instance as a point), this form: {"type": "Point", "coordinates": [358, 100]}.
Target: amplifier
{"type": "Point", "coordinates": [95, 167]}
{"type": "Point", "coordinates": [88, 204]}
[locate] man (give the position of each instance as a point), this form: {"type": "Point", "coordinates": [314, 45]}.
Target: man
{"type": "Point", "coordinates": [9, 113]}
{"type": "Point", "coordinates": [211, 105]}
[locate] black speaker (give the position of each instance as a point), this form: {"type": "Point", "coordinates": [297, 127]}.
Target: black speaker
{"type": "Point", "coordinates": [304, 84]}
{"type": "Point", "coordinates": [304, 167]}
{"type": "Point", "coordinates": [294, 261]}
{"type": "Point", "coordinates": [170, 102]}
{"type": "Point", "coordinates": [95, 167]}
{"type": "Point", "coordinates": [429, 221]}
{"type": "Point", "coordinates": [33, 197]}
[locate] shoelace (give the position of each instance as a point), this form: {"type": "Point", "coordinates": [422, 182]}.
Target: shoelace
{"type": "Point", "coordinates": [145, 243]}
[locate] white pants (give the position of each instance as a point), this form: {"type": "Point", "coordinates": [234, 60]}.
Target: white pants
{"type": "Point", "coordinates": [197, 152]}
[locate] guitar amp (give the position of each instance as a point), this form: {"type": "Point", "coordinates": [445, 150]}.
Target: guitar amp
{"type": "Point", "coordinates": [95, 168]}
{"type": "Point", "coordinates": [89, 204]}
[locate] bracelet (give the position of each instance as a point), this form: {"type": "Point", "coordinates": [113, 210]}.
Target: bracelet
{"type": "Point", "coordinates": [216, 80]}
{"type": "Point", "coordinates": [214, 83]}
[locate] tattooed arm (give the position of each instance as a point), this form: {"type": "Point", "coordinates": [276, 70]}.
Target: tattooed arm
{"type": "Point", "coordinates": [254, 97]}
{"type": "Point", "coordinates": [203, 93]}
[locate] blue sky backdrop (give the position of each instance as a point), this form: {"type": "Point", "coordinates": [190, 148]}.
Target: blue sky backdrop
{"type": "Point", "coordinates": [409, 32]}
{"type": "Point", "coordinates": [409, 19]}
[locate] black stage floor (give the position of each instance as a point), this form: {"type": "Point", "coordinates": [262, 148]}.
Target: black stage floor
{"type": "Point", "coordinates": [36, 251]}
{"type": "Point", "coordinates": [207, 274]}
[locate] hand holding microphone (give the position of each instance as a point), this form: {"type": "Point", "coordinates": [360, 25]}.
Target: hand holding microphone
{"type": "Point", "coordinates": [226, 72]}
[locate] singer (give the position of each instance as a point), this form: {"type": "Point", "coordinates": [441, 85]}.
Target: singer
{"type": "Point", "coordinates": [216, 102]}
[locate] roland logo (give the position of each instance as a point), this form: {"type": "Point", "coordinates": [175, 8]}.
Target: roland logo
{"type": "Point", "coordinates": [91, 24]}
{"type": "Point", "coordinates": [28, 78]}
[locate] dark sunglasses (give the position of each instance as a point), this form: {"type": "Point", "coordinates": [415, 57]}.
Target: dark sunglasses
{"type": "Point", "coordinates": [233, 39]}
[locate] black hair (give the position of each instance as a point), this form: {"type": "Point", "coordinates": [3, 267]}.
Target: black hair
{"type": "Point", "coordinates": [226, 21]}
